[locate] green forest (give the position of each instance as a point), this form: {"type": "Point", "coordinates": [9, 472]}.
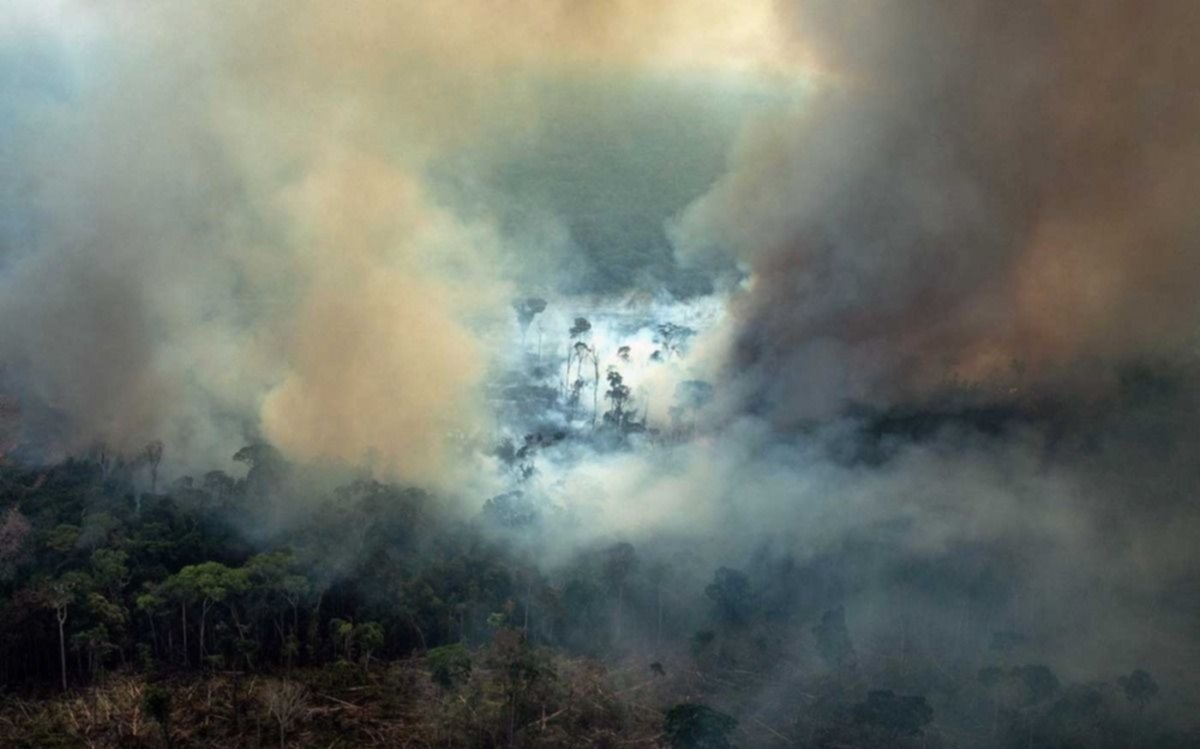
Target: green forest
{"type": "Point", "coordinates": [147, 618]}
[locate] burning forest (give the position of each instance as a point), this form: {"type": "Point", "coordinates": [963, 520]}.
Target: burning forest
{"type": "Point", "coordinates": [771, 373]}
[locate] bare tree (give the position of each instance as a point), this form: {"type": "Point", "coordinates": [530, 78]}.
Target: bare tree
{"type": "Point", "coordinates": [284, 701]}
{"type": "Point", "coordinates": [153, 454]}
{"type": "Point", "coordinates": [577, 331]}
{"type": "Point", "coordinates": [526, 310]}
{"type": "Point", "coordinates": [59, 597]}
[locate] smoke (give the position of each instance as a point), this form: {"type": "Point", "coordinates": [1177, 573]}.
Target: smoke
{"type": "Point", "coordinates": [230, 222]}
{"type": "Point", "coordinates": [975, 190]}
{"type": "Point", "coordinates": [976, 225]}
{"type": "Point", "coordinates": [218, 224]}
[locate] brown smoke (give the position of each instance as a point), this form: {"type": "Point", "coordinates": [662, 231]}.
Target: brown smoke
{"type": "Point", "coordinates": [976, 188]}
{"type": "Point", "coordinates": [224, 228]}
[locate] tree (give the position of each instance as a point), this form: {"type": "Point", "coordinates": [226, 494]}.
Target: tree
{"type": "Point", "coordinates": [449, 665]}
{"type": "Point", "coordinates": [153, 454]}
{"type": "Point", "coordinates": [582, 353]}
{"type": "Point", "coordinates": [671, 339]}
{"type": "Point", "coordinates": [150, 602]}
{"type": "Point", "coordinates": [619, 395]}
{"type": "Point", "coordinates": [833, 640]}
{"type": "Point", "coordinates": [527, 309]}
{"type": "Point", "coordinates": [156, 702]}
{"type": "Point", "coordinates": [207, 583]}
{"type": "Point", "coordinates": [730, 592]}
{"type": "Point", "coordinates": [579, 350]}
{"type": "Point", "coordinates": [521, 667]}
{"type": "Point", "coordinates": [181, 590]}
{"type": "Point", "coordinates": [691, 725]}
{"type": "Point", "coordinates": [284, 701]}
{"type": "Point", "coordinates": [267, 466]}
{"type": "Point", "coordinates": [59, 597]}
{"type": "Point", "coordinates": [14, 531]}
{"type": "Point", "coordinates": [342, 632]}
{"type": "Point", "coordinates": [94, 641]}
{"type": "Point", "coordinates": [580, 327]}
{"type": "Point", "coordinates": [110, 571]}
{"type": "Point", "coordinates": [368, 636]}
{"type": "Point", "coordinates": [274, 580]}
{"type": "Point", "coordinates": [620, 561]}
{"type": "Point", "coordinates": [219, 484]}
{"type": "Point", "coordinates": [1139, 688]}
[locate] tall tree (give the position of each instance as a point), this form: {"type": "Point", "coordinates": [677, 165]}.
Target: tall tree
{"type": "Point", "coordinates": [153, 454]}
{"type": "Point", "coordinates": [59, 596]}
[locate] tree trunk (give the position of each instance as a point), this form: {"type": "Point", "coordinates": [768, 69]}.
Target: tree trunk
{"type": "Point", "coordinates": [314, 624]}
{"type": "Point", "coordinates": [420, 634]}
{"type": "Point", "coordinates": [61, 615]}
{"type": "Point", "coordinates": [183, 608]}
{"type": "Point", "coordinates": [595, 385]}
{"type": "Point", "coordinates": [154, 636]}
{"type": "Point", "coordinates": [567, 377]}
{"type": "Point", "coordinates": [528, 600]}
{"type": "Point", "coordinates": [620, 607]}
{"type": "Point", "coordinates": [203, 616]}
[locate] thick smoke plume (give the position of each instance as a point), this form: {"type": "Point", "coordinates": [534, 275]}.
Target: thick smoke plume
{"type": "Point", "coordinates": [958, 375]}
{"type": "Point", "coordinates": [218, 227]}
{"type": "Point", "coordinates": [976, 190]}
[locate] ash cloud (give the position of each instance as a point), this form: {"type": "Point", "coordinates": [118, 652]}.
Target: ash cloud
{"type": "Point", "coordinates": [223, 222]}
{"type": "Point", "coordinates": [957, 383]}
{"type": "Point", "coordinates": [973, 185]}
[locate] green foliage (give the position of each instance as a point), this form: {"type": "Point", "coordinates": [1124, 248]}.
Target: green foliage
{"type": "Point", "coordinates": [368, 638]}
{"type": "Point", "coordinates": [207, 581]}
{"type": "Point", "coordinates": [144, 656]}
{"type": "Point", "coordinates": [342, 632]}
{"type": "Point", "coordinates": [449, 665]}
{"type": "Point", "coordinates": [62, 538]}
{"type": "Point", "coordinates": [177, 588]}
{"type": "Point", "coordinates": [694, 726]}
{"type": "Point", "coordinates": [156, 701]}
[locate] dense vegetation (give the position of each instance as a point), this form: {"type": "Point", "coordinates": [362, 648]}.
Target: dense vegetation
{"type": "Point", "coordinates": [195, 616]}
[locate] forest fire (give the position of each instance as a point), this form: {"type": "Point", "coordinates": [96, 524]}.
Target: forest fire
{"type": "Point", "coordinates": [581, 373]}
